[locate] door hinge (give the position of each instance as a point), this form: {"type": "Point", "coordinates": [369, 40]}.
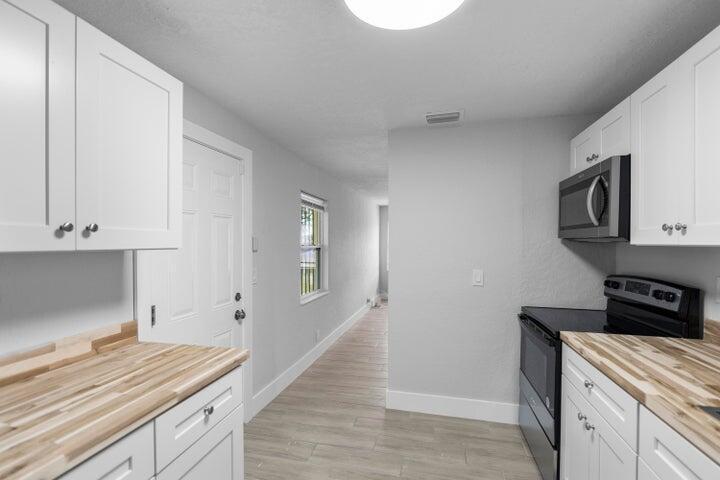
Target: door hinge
{"type": "Point", "coordinates": [153, 319]}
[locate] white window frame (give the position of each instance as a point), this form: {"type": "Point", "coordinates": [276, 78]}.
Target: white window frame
{"type": "Point", "coordinates": [322, 205]}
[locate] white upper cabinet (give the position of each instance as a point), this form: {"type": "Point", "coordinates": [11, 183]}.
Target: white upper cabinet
{"type": "Point", "coordinates": [675, 147]}
{"type": "Point", "coordinates": [37, 126]}
{"type": "Point", "coordinates": [607, 137]}
{"type": "Point", "coordinates": [90, 138]}
{"type": "Point", "coordinates": [656, 133]}
{"type": "Point", "coordinates": [699, 217]}
{"type": "Point", "coordinates": [129, 148]}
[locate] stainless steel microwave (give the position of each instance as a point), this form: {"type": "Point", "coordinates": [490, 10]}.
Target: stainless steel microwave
{"type": "Point", "coordinates": [595, 203]}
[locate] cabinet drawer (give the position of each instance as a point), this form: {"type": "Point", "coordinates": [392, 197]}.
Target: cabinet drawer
{"type": "Point", "coordinates": [130, 458]}
{"type": "Point", "coordinates": [216, 456]}
{"type": "Point", "coordinates": [615, 405]}
{"type": "Point", "coordinates": [669, 455]}
{"type": "Point", "coordinates": [184, 424]}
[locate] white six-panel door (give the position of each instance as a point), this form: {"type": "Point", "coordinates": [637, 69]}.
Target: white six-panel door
{"type": "Point", "coordinates": [129, 143]}
{"type": "Point", "coordinates": [195, 288]}
{"type": "Point", "coordinates": [37, 126]}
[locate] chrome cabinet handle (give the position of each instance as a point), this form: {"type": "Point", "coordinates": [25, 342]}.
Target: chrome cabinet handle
{"type": "Point", "coordinates": [93, 227]}
{"type": "Point", "coordinates": [208, 410]}
{"type": "Point", "coordinates": [581, 417]}
{"type": "Point", "coordinates": [680, 226]}
{"type": "Point", "coordinates": [589, 427]}
{"type": "Point", "coordinates": [67, 227]}
{"type": "Point", "coordinates": [588, 384]}
{"type": "Point", "coordinates": [666, 227]}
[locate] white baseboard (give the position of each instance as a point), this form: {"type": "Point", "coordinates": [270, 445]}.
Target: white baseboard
{"type": "Point", "coordinates": [261, 399]}
{"type": "Point", "coordinates": [453, 406]}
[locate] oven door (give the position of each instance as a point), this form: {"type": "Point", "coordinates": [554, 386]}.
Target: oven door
{"type": "Point", "coordinates": [538, 360]}
{"type": "Point", "coordinates": [584, 204]}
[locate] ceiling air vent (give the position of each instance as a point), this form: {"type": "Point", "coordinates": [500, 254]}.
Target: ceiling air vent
{"type": "Point", "coordinates": [443, 117]}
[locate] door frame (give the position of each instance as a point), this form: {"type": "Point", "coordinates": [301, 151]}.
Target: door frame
{"type": "Point", "coordinates": [213, 141]}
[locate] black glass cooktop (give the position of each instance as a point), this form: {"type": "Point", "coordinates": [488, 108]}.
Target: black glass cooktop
{"type": "Point", "coordinates": [556, 320]}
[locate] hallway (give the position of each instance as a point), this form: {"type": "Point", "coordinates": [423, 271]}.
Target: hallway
{"type": "Point", "coordinates": [331, 423]}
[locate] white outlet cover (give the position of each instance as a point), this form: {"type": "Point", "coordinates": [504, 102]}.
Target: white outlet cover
{"type": "Point", "coordinates": [478, 278]}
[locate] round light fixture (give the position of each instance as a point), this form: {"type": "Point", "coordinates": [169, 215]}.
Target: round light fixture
{"type": "Point", "coordinates": [402, 14]}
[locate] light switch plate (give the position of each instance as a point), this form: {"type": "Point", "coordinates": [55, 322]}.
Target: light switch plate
{"type": "Point", "coordinates": [478, 278]}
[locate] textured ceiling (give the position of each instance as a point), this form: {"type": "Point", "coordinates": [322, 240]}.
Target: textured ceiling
{"type": "Point", "coordinates": [325, 85]}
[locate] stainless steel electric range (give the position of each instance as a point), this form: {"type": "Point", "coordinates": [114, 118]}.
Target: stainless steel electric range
{"type": "Point", "coordinates": [635, 306]}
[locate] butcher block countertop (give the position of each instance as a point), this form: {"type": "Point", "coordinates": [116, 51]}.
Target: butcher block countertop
{"type": "Point", "coordinates": [63, 402]}
{"type": "Point", "coordinates": [671, 377]}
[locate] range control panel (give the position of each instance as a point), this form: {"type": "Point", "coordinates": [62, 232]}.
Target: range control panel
{"type": "Point", "coordinates": [645, 291]}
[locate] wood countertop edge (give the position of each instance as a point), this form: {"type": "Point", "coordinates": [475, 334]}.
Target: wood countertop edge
{"type": "Point", "coordinates": [59, 463]}
{"type": "Point", "coordinates": [654, 405]}
{"type": "Point", "coordinates": [185, 393]}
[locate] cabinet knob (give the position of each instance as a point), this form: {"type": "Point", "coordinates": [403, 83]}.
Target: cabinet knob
{"type": "Point", "coordinates": [592, 157]}
{"type": "Point", "coordinates": [239, 315]}
{"type": "Point", "coordinates": [93, 227]}
{"type": "Point", "coordinates": [588, 384]}
{"type": "Point", "coordinates": [67, 227]}
{"type": "Point", "coordinates": [208, 410]}
{"type": "Point", "coordinates": [581, 417]}
{"type": "Point", "coordinates": [666, 227]}
{"type": "Point", "coordinates": [238, 296]}
{"type": "Point", "coordinates": [589, 427]}
{"type": "Point", "coordinates": [680, 226]}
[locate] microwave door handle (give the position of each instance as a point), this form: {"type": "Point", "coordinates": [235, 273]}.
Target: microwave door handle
{"type": "Point", "coordinates": [589, 202]}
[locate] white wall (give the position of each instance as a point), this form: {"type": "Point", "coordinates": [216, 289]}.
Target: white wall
{"type": "Point", "coordinates": [477, 196]}
{"type": "Point", "coordinates": [46, 296]}
{"type": "Point", "coordinates": [384, 273]}
{"type": "Point", "coordinates": [283, 330]}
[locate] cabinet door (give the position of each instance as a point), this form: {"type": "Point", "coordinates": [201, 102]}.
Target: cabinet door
{"type": "Point", "coordinates": [656, 138]}
{"type": "Point", "coordinates": [611, 457]}
{"type": "Point", "coordinates": [584, 149]}
{"type": "Point", "coordinates": [574, 440]}
{"type": "Point", "coordinates": [614, 131]}
{"type": "Point", "coordinates": [644, 472]}
{"type": "Point", "coordinates": [218, 455]}
{"type": "Point", "coordinates": [37, 126]}
{"type": "Point", "coordinates": [129, 148]}
{"type": "Point", "coordinates": [700, 70]}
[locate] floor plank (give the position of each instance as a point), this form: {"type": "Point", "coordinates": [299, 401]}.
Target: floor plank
{"type": "Point", "coordinates": [331, 424]}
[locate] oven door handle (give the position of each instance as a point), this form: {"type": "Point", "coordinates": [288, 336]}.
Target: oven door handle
{"type": "Point", "coordinates": [535, 330]}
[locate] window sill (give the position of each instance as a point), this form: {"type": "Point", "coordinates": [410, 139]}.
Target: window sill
{"type": "Point", "coordinates": [305, 299]}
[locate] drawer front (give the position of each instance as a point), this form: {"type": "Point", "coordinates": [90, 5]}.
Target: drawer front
{"type": "Point", "coordinates": [184, 424]}
{"type": "Point", "coordinates": [216, 456]}
{"type": "Point", "coordinates": [130, 458]}
{"type": "Point", "coordinates": [615, 405]}
{"type": "Point", "coordinates": [669, 455]}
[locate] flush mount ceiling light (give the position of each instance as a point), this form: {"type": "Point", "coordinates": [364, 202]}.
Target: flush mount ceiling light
{"type": "Point", "coordinates": [402, 14]}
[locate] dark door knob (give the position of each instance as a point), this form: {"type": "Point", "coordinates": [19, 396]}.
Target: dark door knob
{"type": "Point", "coordinates": [238, 297]}
{"type": "Point", "coordinates": [239, 314]}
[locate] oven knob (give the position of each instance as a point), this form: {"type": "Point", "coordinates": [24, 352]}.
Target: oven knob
{"type": "Point", "coordinates": [658, 294]}
{"type": "Point", "coordinates": [670, 297]}
{"type": "Point", "coordinates": [612, 284]}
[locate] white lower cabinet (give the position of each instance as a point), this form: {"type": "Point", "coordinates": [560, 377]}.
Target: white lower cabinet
{"type": "Point", "coordinates": [668, 455]}
{"type": "Point", "coordinates": [591, 449]}
{"type": "Point", "coordinates": [130, 458]}
{"type": "Point", "coordinates": [597, 440]}
{"type": "Point", "coordinates": [218, 455]}
{"type": "Point", "coordinates": [199, 438]}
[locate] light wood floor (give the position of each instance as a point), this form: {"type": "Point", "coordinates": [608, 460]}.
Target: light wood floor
{"type": "Point", "coordinates": [331, 423]}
